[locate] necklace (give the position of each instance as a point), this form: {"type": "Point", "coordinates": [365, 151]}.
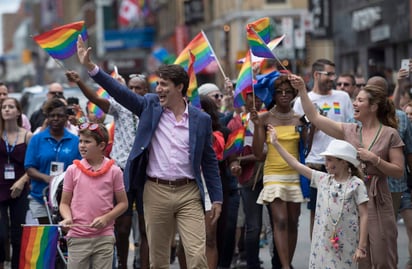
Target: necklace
{"type": "Point", "coordinates": [334, 239]}
{"type": "Point", "coordinates": [363, 164]}
{"type": "Point", "coordinates": [280, 115]}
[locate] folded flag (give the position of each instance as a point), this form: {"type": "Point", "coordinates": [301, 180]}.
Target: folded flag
{"type": "Point", "coordinates": [262, 28]}
{"type": "Point", "coordinates": [60, 42]}
{"type": "Point", "coordinates": [257, 45]}
{"type": "Point", "coordinates": [244, 82]}
{"type": "Point", "coordinates": [38, 247]}
{"type": "Point", "coordinates": [202, 51]}
{"type": "Point", "coordinates": [234, 144]}
{"type": "Point", "coordinates": [192, 92]}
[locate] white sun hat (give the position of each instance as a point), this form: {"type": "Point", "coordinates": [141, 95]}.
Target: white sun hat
{"type": "Point", "coordinates": [342, 150]}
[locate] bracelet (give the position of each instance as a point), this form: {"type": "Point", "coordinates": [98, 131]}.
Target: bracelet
{"type": "Point", "coordinates": [378, 162]}
{"type": "Point", "coordinates": [362, 250]}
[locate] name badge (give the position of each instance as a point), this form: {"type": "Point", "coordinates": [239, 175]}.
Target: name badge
{"type": "Point", "coordinates": [9, 173]}
{"type": "Point", "coordinates": [56, 168]}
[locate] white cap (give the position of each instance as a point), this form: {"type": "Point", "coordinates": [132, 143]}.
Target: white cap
{"type": "Point", "coordinates": [207, 88]}
{"type": "Point", "coordinates": [342, 150]}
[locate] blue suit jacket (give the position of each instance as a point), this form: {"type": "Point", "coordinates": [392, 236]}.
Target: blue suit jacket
{"type": "Point", "coordinates": [149, 111]}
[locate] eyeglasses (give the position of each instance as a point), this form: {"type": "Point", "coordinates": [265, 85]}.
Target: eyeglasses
{"type": "Point", "coordinates": [139, 76]}
{"type": "Point", "coordinates": [94, 127]}
{"type": "Point", "coordinates": [360, 85]}
{"type": "Point", "coordinates": [329, 74]}
{"type": "Point", "coordinates": [217, 96]}
{"type": "Point", "coordinates": [344, 84]}
{"type": "Point", "coordinates": [56, 93]}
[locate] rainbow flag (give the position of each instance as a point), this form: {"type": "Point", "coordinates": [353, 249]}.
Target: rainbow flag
{"type": "Point", "coordinates": [60, 42]}
{"type": "Point", "coordinates": [257, 45]}
{"type": "Point", "coordinates": [234, 144]}
{"type": "Point", "coordinates": [153, 79]}
{"type": "Point", "coordinates": [262, 28]}
{"type": "Point", "coordinates": [192, 93]}
{"type": "Point", "coordinates": [202, 50]}
{"type": "Point", "coordinates": [244, 82]}
{"type": "Point", "coordinates": [38, 247]}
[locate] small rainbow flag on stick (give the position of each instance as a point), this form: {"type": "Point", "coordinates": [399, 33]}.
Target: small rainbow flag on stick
{"type": "Point", "coordinates": [202, 50]}
{"type": "Point", "coordinates": [262, 28]}
{"type": "Point", "coordinates": [91, 107]}
{"type": "Point", "coordinates": [60, 42]}
{"type": "Point", "coordinates": [192, 93]}
{"type": "Point", "coordinates": [257, 45]}
{"type": "Point", "coordinates": [38, 247]}
{"type": "Point", "coordinates": [244, 82]}
{"type": "Point", "coordinates": [234, 144]}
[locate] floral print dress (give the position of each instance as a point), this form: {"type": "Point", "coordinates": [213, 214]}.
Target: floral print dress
{"type": "Point", "coordinates": [336, 218]}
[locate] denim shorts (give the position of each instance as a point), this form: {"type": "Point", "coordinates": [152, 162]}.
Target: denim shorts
{"type": "Point", "coordinates": [406, 200]}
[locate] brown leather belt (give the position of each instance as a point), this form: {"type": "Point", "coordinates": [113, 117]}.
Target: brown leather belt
{"type": "Point", "coordinates": [174, 183]}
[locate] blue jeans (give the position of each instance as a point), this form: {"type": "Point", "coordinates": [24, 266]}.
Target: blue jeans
{"type": "Point", "coordinates": [226, 230]}
{"type": "Point", "coordinates": [253, 224]}
{"type": "Point", "coordinates": [253, 227]}
{"type": "Point", "coordinates": [17, 208]}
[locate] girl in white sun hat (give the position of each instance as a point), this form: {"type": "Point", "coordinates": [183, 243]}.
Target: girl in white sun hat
{"type": "Point", "coordinates": [339, 237]}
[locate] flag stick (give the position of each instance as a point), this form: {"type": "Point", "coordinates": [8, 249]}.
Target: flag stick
{"type": "Point", "coordinates": [214, 54]}
{"type": "Point", "coordinates": [277, 59]}
{"type": "Point", "coordinates": [60, 64]}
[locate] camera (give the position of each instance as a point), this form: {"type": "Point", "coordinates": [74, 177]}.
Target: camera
{"type": "Point", "coordinates": [70, 111]}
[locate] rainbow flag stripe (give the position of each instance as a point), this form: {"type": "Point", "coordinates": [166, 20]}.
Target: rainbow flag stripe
{"type": "Point", "coordinates": [60, 42]}
{"type": "Point", "coordinates": [38, 247]}
{"type": "Point", "coordinates": [262, 28]}
{"type": "Point", "coordinates": [257, 45]}
{"type": "Point", "coordinates": [91, 107]}
{"type": "Point", "coordinates": [234, 143]}
{"type": "Point", "coordinates": [192, 93]}
{"type": "Point", "coordinates": [326, 107]}
{"type": "Point", "coordinates": [244, 82]}
{"type": "Point", "coordinates": [336, 108]}
{"type": "Point", "coordinates": [200, 47]}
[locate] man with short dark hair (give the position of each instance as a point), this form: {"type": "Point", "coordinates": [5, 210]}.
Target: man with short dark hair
{"type": "Point", "coordinates": [173, 144]}
{"type": "Point", "coordinates": [347, 83]}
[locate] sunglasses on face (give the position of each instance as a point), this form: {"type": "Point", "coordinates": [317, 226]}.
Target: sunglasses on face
{"type": "Point", "coordinates": [56, 93]}
{"type": "Point", "coordinates": [217, 96]}
{"type": "Point", "coordinates": [94, 127]}
{"type": "Point", "coordinates": [360, 85]}
{"type": "Point", "coordinates": [344, 84]}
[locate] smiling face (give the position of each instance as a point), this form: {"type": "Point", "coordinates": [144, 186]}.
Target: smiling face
{"type": "Point", "coordinates": [362, 108]}
{"type": "Point", "coordinates": [169, 93]}
{"type": "Point", "coordinates": [324, 79]}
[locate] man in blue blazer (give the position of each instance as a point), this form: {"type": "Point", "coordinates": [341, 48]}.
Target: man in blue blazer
{"type": "Point", "coordinates": [172, 148]}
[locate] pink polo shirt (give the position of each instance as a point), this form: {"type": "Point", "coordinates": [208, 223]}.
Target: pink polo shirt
{"type": "Point", "coordinates": [92, 197]}
{"type": "Point", "coordinates": [169, 151]}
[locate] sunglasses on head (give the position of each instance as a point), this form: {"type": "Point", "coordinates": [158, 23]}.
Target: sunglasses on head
{"type": "Point", "coordinates": [139, 76]}
{"type": "Point", "coordinates": [94, 127]}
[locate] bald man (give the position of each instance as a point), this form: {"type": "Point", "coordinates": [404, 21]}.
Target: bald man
{"type": "Point", "coordinates": [37, 118]}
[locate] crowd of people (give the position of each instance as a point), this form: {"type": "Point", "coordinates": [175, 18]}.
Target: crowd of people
{"type": "Point", "coordinates": [349, 137]}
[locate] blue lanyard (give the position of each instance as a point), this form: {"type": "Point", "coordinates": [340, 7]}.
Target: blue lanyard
{"type": "Point", "coordinates": [8, 148]}
{"type": "Point", "coordinates": [57, 150]}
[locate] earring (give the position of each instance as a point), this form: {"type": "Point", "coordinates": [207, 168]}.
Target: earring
{"type": "Point", "coordinates": [350, 171]}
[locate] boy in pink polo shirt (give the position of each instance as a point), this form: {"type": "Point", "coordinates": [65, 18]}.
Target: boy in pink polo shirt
{"type": "Point", "coordinates": [87, 205]}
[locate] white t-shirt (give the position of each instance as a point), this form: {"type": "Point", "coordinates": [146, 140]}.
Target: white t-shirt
{"type": "Point", "coordinates": [337, 106]}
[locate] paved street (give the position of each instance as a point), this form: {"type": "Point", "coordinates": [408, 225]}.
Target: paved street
{"type": "Point", "coordinates": [301, 257]}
